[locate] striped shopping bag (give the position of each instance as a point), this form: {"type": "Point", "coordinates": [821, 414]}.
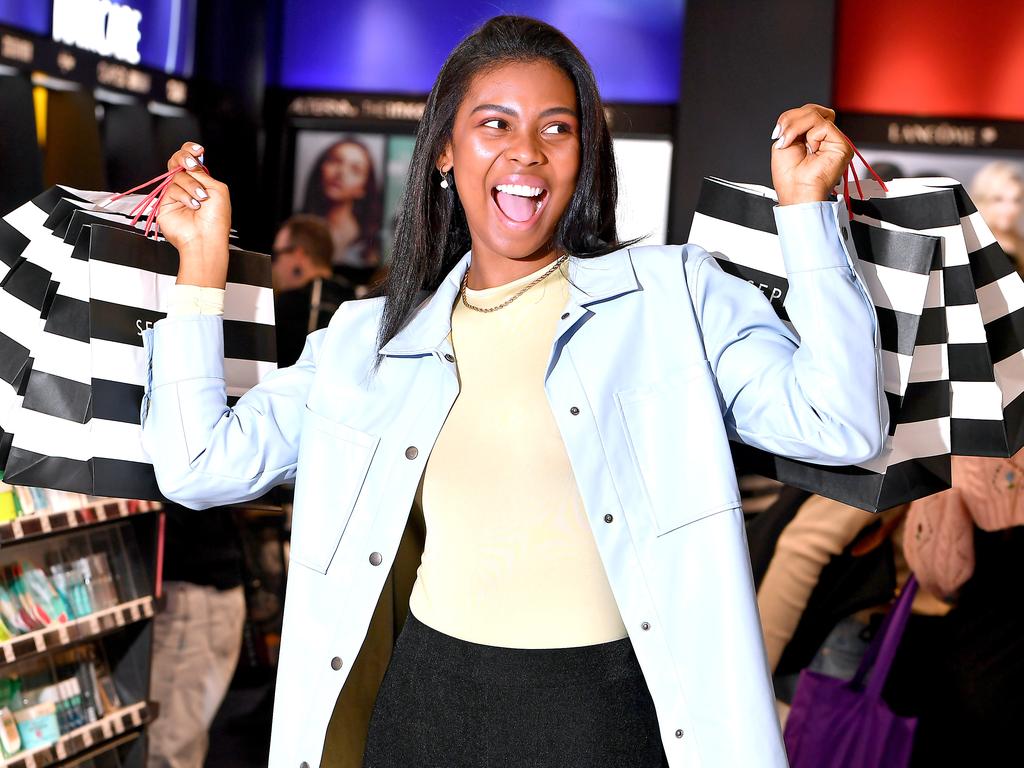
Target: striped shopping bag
{"type": "Point", "coordinates": [121, 285]}
{"type": "Point", "coordinates": [984, 298]}
{"type": "Point", "coordinates": [28, 256]}
{"type": "Point", "coordinates": [902, 272]}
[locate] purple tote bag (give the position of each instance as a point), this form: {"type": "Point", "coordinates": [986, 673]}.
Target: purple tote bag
{"type": "Point", "coordinates": [845, 724]}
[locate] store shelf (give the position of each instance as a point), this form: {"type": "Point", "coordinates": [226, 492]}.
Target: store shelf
{"type": "Point", "coordinates": [93, 625]}
{"type": "Point", "coordinates": [85, 738]}
{"type": "Point", "coordinates": [47, 523]}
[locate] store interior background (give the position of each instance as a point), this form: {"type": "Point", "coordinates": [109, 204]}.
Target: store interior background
{"type": "Point", "coordinates": [693, 88]}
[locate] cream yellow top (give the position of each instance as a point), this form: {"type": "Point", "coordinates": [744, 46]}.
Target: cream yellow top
{"type": "Point", "coordinates": [510, 558]}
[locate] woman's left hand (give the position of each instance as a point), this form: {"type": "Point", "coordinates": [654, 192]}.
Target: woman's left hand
{"type": "Point", "coordinates": [810, 155]}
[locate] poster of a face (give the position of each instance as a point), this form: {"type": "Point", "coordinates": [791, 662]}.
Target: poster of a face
{"type": "Point", "coordinates": [399, 156]}
{"type": "Point", "coordinates": [340, 176]}
{"type": "Point", "coordinates": [994, 181]}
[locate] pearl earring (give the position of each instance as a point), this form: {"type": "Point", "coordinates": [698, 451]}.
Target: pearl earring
{"type": "Point", "coordinates": [444, 179]}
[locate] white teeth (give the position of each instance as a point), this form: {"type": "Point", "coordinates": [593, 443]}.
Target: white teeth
{"type": "Point", "coordinates": [520, 190]}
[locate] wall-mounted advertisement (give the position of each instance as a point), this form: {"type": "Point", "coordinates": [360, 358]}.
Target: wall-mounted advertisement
{"type": "Point", "coordinates": [355, 181]}
{"type": "Point", "coordinates": [158, 34]}
{"type": "Point", "coordinates": [152, 33]}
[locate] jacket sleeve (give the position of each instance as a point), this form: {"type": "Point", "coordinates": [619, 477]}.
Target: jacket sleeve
{"type": "Point", "coordinates": [817, 396]}
{"type": "Point", "coordinates": [205, 453]}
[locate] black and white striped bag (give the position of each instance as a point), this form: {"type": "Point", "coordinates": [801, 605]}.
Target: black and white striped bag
{"type": "Point", "coordinates": [28, 255]}
{"type": "Point", "coordinates": [57, 395]}
{"type": "Point", "coordinates": [902, 272]}
{"type": "Point", "coordinates": [984, 299]}
{"type": "Point", "coordinates": [78, 427]}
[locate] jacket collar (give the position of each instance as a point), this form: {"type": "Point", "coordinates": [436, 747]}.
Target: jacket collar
{"type": "Point", "coordinates": [591, 282]}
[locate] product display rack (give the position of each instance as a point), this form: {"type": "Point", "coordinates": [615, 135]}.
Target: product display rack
{"type": "Point", "coordinates": [101, 735]}
{"type": "Point", "coordinates": [77, 630]}
{"type": "Point", "coordinates": [45, 523]}
{"type": "Point", "coordinates": [124, 534]}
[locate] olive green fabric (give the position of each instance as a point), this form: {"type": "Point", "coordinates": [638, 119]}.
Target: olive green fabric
{"type": "Point", "coordinates": [346, 734]}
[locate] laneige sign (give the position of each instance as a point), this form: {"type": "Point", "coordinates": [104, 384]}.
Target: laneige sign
{"type": "Point", "coordinates": [101, 26]}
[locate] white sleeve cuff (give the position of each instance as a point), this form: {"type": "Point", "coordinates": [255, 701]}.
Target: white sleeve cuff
{"type": "Point", "coordinates": [195, 300]}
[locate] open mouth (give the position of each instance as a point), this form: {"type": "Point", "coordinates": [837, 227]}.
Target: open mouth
{"type": "Point", "coordinates": [519, 203]}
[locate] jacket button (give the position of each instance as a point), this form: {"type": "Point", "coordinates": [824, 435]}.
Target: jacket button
{"type": "Point", "coordinates": [679, 733]}
{"type": "Point", "coordinates": [375, 559]}
{"type": "Point", "coordinates": [608, 518]}
{"type": "Point", "coordinates": [449, 358]}
{"type": "Point", "coordinates": [303, 764]}
{"type": "Point", "coordinates": [565, 316]}
{"type": "Point", "coordinates": [336, 663]}
{"type": "Point", "coordinates": [574, 411]}
{"type": "Point", "coordinates": [411, 452]}
{"type": "Point", "coordinates": [645, 626]}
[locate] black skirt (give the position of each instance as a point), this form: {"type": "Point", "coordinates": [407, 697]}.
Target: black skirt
{"type": "Point", "coordinates": [452, 703]}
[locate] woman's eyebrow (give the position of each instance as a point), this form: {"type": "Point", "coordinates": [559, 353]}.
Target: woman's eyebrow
{"type": "Point", "coordinates": [512, 113]}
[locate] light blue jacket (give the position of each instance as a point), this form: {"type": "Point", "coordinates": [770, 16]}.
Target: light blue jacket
{"type": "Point", "coordinates": [659, 358]}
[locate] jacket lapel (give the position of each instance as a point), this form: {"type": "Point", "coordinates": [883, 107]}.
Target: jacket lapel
{"type": "Point", "coordinates": [591, 283]}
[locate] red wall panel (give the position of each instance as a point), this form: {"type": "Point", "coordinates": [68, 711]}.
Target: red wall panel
{"type": "Point", "coordinates": [947, 58]}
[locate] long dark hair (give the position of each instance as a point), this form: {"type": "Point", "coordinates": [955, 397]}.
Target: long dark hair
{"type": "Point", "coordinates": [367, 209]}
{"type": "Point", "coordinates": [431, 233]}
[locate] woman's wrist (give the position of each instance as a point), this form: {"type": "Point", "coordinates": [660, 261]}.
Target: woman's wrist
{"type": "Point", "coordinates": [798, 196]}
{"type": "Point", "coordinates": [203, 266]}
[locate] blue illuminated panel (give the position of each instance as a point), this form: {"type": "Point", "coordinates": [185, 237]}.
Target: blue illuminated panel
{"type": "Point", "coordinates": [399, 45]}
{"type": "Point", "coordinates": [167, 27]}
{"type": "Point", "coordinates": [29, 15]}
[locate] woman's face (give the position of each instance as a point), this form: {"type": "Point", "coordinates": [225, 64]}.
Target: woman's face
{"type": "Point", "coordinates": [515, 153]}
{"type": "Point", "coordinates": [1002, 210]}
{"type": "Point", "coordinates": [344, 173]}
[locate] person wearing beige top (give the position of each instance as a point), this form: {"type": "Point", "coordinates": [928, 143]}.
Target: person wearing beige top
{"type": "Point", "coordinates": [515, 650]}
{"type": "Point", "coordinates": [508, 562]}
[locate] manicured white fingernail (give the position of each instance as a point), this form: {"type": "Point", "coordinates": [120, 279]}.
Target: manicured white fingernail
{"type": "Point", "coordinates": [196, 148]}
{"type": "Point", "coordinates": [201, 193]}
{"type": "Point", "coordinates": [781, 142]}
{"type": "Point", "coordinates": [202, 161]}
{"type": "Point", "coordinates": [190, 162]}
{"type": "Point", "coordinates": [195, 203]}
{"type": "Point", "coordinates": [777, 132]}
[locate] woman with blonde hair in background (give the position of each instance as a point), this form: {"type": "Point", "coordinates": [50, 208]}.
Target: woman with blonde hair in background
{"type": "Point", "coordinates": [998, 191]}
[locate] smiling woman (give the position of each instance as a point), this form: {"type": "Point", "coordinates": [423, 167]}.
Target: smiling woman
{"type": "Point", "coordinates": [515, 104]}
{"type": "Point", "coordinates": [558, 408]}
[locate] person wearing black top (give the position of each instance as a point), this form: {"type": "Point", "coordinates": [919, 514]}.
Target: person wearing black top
{"type": "Point", "coordinates": [306, 292]}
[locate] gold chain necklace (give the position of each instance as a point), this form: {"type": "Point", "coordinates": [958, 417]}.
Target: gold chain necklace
{"type": "Point", "coordinates": [465, 280]}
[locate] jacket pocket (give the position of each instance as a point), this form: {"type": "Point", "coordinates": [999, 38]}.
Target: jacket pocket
{"type": "Point", "coordinates": [333, 462]}
{"type": "Point", "coordinates": [679, 447]}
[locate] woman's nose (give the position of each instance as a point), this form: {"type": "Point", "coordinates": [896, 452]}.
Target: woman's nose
{"type": "Point", "coordinates": [525, 149]}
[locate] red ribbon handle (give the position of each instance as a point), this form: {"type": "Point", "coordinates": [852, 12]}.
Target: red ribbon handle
{"type": "Point", "coordinates": [156, 198]}
{"type": "Point", "coordinates": [856, 178]}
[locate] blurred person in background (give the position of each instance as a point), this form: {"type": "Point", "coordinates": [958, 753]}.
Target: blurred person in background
{"type": "Point", "coordinates": [343, 189]}
{"type": "Point", "coordinates": [962, 674]}
{"type": "Point", "coordinates": [306, 291]}
{"type": "Point", "coordinates": [197, 637]}
{"type": "Point", "coordinates": [998, 192]}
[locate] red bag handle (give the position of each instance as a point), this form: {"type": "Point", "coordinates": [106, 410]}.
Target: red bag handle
{"type": "Point", "coordinates": [156, 197]}
{"type": "Point", "coordinates": [856, 178]}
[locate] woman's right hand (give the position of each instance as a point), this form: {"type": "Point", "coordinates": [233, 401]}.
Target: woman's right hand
{"type": "Point", "coordinates": [195, 217]}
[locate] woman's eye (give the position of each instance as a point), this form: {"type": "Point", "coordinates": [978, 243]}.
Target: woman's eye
{"type": "Point", "coordinates": [495, 123]}
{"type": "Point", "coordinates": [557, 128]}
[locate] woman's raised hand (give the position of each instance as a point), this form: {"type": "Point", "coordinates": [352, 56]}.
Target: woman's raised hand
{"type": "Point", "coordinates": [195, 217]}
{"type": "Point", "coordinates": [809, 155]}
